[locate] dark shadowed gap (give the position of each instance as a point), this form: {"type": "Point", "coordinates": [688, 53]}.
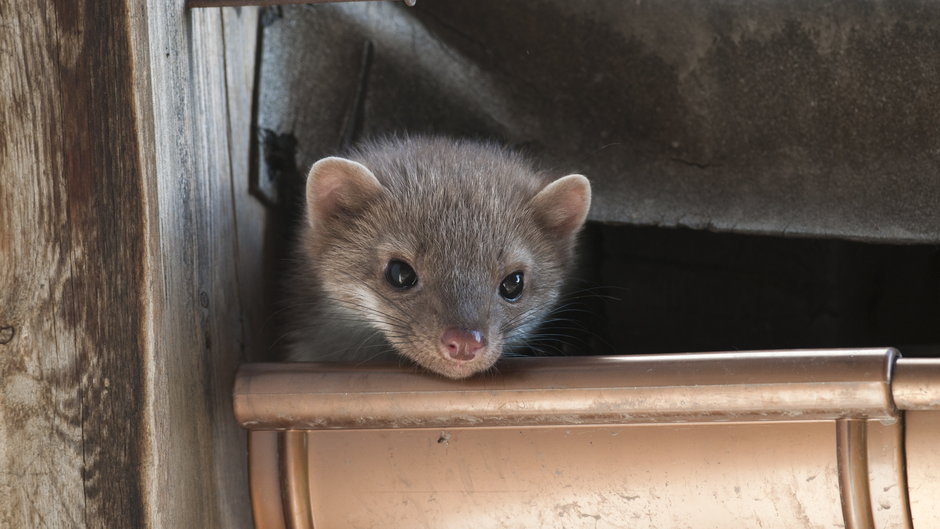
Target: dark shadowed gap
{"type": "Point", "coordinates": [655, 290]}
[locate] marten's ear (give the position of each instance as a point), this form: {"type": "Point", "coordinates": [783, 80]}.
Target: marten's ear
{"type": "Point", "coordinates": [337, 187]}
{"type": "Point", "coordinates": [561, 206]}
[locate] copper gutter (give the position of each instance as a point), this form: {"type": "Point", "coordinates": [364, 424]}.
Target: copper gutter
{"type": "Point", "coordinates": [916, 384]}
{"type": "Point", "coordinates": [751, 386]}
{"type": "Point", "coordinates": [621, 438]}
{"type": "Point", "coordinates": [264, 470]}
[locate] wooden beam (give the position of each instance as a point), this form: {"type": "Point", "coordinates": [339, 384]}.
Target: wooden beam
{"type": "Point", "coordinates": [73, 289]}
{"type": "Point", "coordinates": [120, 310]}
{"type": "Point", "coordinates": [254, 220]}
{"type": "Point", "coordinates": [197, 475]}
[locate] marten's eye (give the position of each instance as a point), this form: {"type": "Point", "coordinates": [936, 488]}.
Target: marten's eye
{"type": "Point", "coordinates": [400, 274]}
{"type": "Point", "coordinates": [511, 287]}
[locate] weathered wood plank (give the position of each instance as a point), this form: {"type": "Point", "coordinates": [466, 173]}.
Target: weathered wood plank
{"type": "Point", "coordinates": [198, 462]}
{"type": "Point", "coordinates": [180, 479]}
{"type": "Point", "coordinates": [120, 319]}
{"type": "Point", "coordinates": [217, 272]}
{"type": "Point", "coordinates": [254, 224]}
{"type": "Point", "coordinates": [72, 280]}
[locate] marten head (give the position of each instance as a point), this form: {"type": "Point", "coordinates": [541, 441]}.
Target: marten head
{"type": "Point", "coordinates": [454, 251]}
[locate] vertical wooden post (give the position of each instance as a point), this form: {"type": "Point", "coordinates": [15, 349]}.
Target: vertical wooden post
{"type": "Point", "coordinates": [120, 313]}
{"type": "Point", "coordinates": [73, 294]}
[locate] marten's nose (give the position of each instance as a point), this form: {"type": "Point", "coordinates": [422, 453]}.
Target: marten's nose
{"type": "Point", "coordinates": [461, 344]}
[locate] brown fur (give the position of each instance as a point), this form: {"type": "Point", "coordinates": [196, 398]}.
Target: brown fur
{"type": "Point", "coordinates": [462, 214]}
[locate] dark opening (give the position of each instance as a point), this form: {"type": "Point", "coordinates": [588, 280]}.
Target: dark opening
{"type": "Point", "coordinates": [714, 115]}
{"type": "Point", "coordinates": [681, 290]}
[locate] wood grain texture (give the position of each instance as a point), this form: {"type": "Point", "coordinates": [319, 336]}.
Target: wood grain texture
{"type": "Point", "coordinates": [197, 468]}
{"type": "Point", "coordinates": [72, 282]}
{"type": "Point", "coordinates": [218, 275]}
{"type": "Point", "coordinates": [120, 312]}
{"type": "Point", "coordinates": [254, 220]}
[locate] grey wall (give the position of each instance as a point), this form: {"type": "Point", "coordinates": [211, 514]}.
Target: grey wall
{"type": "Point", "coordinates": [782, 117]}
